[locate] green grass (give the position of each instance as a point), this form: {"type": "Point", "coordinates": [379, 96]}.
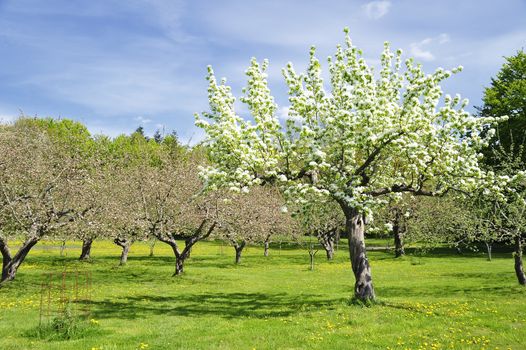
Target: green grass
{"type": "Point", "coordinates": [440, 301]}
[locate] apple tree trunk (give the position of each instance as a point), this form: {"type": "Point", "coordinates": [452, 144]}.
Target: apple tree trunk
{"type": "Point", "coordinates": [10, 264]}
{"type": "Point", "coordinates": [519, 268]}
{"type": "Point", "coordinates": [355, 227]}
{"type": "Point", "coordinates": [85, 254]}
{"type": "Point", "coordinates": [239, 249]}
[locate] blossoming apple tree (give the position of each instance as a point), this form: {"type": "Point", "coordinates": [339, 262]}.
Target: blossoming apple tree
{"type": "Point", "coordinates": [356, 139]}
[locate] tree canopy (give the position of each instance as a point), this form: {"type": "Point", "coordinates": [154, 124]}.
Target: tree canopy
{"type": "Point", "coordinates": [359, 137]}
{"type": "Point", "coordinates": [507, 96]}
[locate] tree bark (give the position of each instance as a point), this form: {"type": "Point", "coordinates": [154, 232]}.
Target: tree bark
{"type": "Point", "coordinates": [85, 254]}
{"type": "Point", "coordinates": [10, 264]}
{"type": "Point", "coordinates": [62, 247]}
{"type": "Point", "coordinates": [239, 249]}
{"type": "Point", "coordinates": [6, 258]}
{"type": "Point", "coordinates": [489, 247]}
{"type": "Point", "coordinates": [355, 227]}
{"type": "Point", "coordinates": [330, 253]}
{"type": "Point", "coordinates": [152, 246]}
{"type": "Point", "coordinates": [312, 255]}
{"type": "Point", "coordinates": [399, 241]}
{"type": "Point", "coordinates": [328, 246]}
{"type": "Point", "coordinates": [181, 256]}
{"type": "Point", "coordinates": [519, 268]}
{"type": "Point", "coordinates": [124, 255]}
{"type": "Point", "coordinates": [266, 245]}
{"type": "Point", "coordinates": [125, 244]}
{"type": "Point", "coordinates": [179, 265]}
{"type": "Point", "coordinates": [327, 240]}
{"type": "Point", "coordinates": [398, 234]}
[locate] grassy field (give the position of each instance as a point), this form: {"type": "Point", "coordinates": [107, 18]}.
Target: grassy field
{"type": "Point", "coordinates": [439, 301]}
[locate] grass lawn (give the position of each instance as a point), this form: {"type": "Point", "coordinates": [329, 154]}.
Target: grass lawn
{"type": "Point", "coordinates": [439, 301]}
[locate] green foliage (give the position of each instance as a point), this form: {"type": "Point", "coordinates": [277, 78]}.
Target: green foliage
{"type": "Point", "coordinates": [507, 96]}
{"type": "Point", "coordinates": [135, 149]}
{"type": "Point", "coordinates": [73, 136]}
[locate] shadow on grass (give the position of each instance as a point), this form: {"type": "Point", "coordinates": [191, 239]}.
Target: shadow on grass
{"type": "Point", "coordinates": [224, 305]}
{"type": "Point", "coordinates": [450, 291]}
{"type": "Point", "coordinates": [436, 253]}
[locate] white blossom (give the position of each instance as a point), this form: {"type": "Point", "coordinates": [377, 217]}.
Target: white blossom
{"type": "Point", "coordinates": [367, 135]}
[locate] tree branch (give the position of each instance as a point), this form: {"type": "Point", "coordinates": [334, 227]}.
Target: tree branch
{"type": "Point", "coordinates": [400, 189]}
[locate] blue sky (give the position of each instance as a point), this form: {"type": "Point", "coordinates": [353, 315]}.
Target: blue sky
{"type": "Point", "coordinates": [116, 64]}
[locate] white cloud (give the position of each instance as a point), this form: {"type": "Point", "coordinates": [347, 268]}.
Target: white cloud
{"type": "Point", "coordinates": [142, 120]}
{"type": "Point", "coordinates": [419, 50]}
{"type": "Point", "coordinates": [376, 9]}
{"type": "Point", "coordinates": [283, 112]}
{"type": "Point", "coordinates": [113, 88]}
{"type": "Point", "coordinates": [290, 34]}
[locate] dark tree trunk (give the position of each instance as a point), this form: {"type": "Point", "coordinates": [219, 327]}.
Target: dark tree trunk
{"type": "Point", "coordinates": [179, 265]}
{"type": "Point", "coordinates": [398, 233]}
{"type": "Point", "coordinates": [10, 264]}
{"type": "Point", "coordinates": [85, 254]}
{"type": "Point", "coordinates": [355, 227]}
{"type": "Point", "coordinates": [399, 241]}
{"type": "Point", "coordinates": [125, 244]}
{"type": "Point", "coordinates": [519, 269]}
{"type": "Point", "coordinates": [5, 262]}
{"type": "Point", "coordinates": [152, 245]}
{"type": "Point", "coordinates": [6, 258]}
{"type": "Point", "coordinates": [180, 257]}
{"type": "Point", "coordinates": [239, 249]}
{"type": "Point", "coordinates": [327, 240]}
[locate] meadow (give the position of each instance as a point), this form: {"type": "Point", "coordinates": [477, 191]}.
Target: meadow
{"type": "Point", "coordinates": [441, 300]}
